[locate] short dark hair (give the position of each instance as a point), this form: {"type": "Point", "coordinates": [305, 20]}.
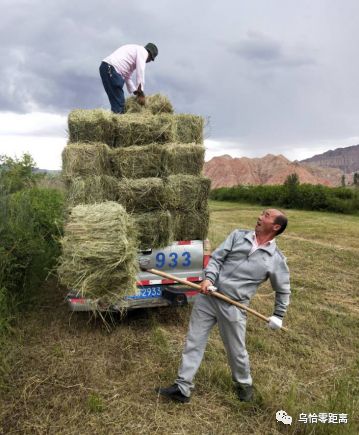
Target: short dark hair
{"type": "Point", "coordinates": [281, 220]}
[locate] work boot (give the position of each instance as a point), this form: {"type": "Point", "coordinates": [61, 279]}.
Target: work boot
{"type": "Point", "coordinates": [245, 392]}
{"type": "Point", "coordinates": [174, 393]}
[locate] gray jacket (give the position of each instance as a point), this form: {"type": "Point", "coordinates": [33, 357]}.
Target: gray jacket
{"type": "Point", "coordinates": [237, 274]}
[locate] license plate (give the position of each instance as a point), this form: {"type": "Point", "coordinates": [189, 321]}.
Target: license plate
{"type": "Point", "coordinates": [147, 292]}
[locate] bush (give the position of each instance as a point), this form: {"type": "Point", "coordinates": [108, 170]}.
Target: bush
{"type": "Point", "coordinates": [46, 209]}
{"type": "Point", "coordinates": [293, 195]}
{"type": "Point", "coordinates": [17, 174]}
{"type": "Point", "coordinates": [30, 223]}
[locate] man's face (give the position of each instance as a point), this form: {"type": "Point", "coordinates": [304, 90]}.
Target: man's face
{"type": "Point", "coordinates": [265, 222]}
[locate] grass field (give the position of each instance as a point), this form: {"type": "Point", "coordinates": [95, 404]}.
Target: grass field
{"type": "Point", "coordinates": [66, 374]}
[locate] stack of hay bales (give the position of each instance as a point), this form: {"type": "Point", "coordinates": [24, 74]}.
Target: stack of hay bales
{"type": "Point", "coordinates": [149, 160]}
{"type": "Point", "coordinates": [134, 128]}
{"type": "Point", "coordinates": [99, 251]}
{"type": "Point", "coordinates": [187, 197]}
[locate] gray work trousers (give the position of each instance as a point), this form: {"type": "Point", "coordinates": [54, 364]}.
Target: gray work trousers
{"type": "Point", "coordinates": [207, 311]}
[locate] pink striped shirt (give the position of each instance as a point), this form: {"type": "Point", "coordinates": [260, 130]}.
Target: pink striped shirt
{"type": "Point", "coordinates": [126, 60]}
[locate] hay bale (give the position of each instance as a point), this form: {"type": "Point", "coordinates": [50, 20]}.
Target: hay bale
{"type": "Point", "coordinates": [155, 104]}
{"type": "Point", "coordinates": [189, 128]}
{"type": "Point", "coordinates": [96, 125]}
{"type": "Point", "coordinates": [154, 229]}
{"type": "Point", "coordinates": [99, 252]}
{"type": "Point", "coordinates": [182, 159]}
{"type": "Point", "coordinates": [192, 225]}
{"type": "Point", "coordinates": [142, 194]}
{"type": "Point", "coordinates": [144, 129]}
{"type": "Point", "coordinates": [132, 106]}
{"type": "Point", "coordinates": [157, 160]}
{"type": "Point", "coordinates": [140, 128]}
{"type": "Point", "coordinates": [138, 161]}
{"type": "Point", "coordinates": [158, 103]}
{"type": "Point", "coordinates": [187, 192]}
{"type": "Point", "coordinates": [82, 159]}
{"type": "Point", "coordinates": [91, 190]}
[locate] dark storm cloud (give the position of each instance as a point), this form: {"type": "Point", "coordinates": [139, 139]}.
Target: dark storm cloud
{"type": "Point", "coordinates": [53, 54]}
{"type": "Point", "coordinates": [264, 51]}
{"type": "Point", "coordinates": [263, 72]}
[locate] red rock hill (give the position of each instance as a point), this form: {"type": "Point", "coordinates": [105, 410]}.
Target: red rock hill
{"type": "Point", "coordinates": [226, 171]}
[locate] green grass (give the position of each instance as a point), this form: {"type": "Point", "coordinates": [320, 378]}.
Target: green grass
{"type": "Point", "coordinates": [95, 403]}
{"type": "Point", "coordinates": [69, 375]}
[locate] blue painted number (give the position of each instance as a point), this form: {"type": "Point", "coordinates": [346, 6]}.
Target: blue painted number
{"type": "Point", "coordinates": [160, 260]}
{"type": "Point", "coordinates": [187, 259]}
{"type": "Point", "coordinates": [174, 258]}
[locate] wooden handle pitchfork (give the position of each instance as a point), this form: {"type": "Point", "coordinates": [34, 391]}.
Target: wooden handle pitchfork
{"type": "Point", "coordinates": [215, 294]}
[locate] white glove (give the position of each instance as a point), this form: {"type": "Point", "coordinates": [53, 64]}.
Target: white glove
{"type": "Point", "coordinates": [212, 288]}
{"type": "Point", "coordinates": [275, 322]}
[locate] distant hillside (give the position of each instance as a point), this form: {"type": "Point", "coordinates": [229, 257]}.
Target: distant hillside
{"type": "Point", "coordinates": [345, 159]}
{"type": "Point", "coordinates": [47, 171]}
{"type": "Point", "coordinates": [226, 171]}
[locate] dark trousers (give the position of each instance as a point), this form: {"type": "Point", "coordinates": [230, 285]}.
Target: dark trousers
{"type": "Point", "coordinates": [113, 83]}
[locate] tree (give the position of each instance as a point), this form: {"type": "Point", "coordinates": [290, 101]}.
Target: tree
{"type": "Point", "coordinates": [290, 192]}
{"type": "Point", "coordinates": [17, 174]}
{"type": "Point", "coordinates": [292, 180]}
{"type": "Point", "coordinates": [343, 180]}
{"type": "Point", "coordinates": [356, 178]}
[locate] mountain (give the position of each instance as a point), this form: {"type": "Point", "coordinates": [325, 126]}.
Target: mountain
{"type": "Point", "coordinates": [226, 171]}
{"type": "Point", "coordinates": [346, 159]}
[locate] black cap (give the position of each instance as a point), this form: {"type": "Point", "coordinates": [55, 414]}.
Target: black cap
{"type": "Point", "coordinates": [152, 49]}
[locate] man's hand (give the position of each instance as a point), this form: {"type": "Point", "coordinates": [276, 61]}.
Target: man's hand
{"type": "Point", "coordinates": [139, 92]}
{"type": "Point", "coordinates": [207, 287]}
{"type": "Point", "coordinates": [141, 99]}
{"type": "Point", "coordinates": [275, 322]}
{"type": "Point", "coordinates": [140, 95]}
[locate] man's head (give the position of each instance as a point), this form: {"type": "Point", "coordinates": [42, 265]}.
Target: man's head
{"type": "Point", "coordinates": [271, 223]}
{"type": "Point", "coordinates": [152, 51]}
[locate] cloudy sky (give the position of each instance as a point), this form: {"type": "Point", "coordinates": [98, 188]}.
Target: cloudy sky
{"type": "Point", "coordinates": [271, 76]}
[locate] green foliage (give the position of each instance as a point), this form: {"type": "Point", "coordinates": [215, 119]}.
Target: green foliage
{"type": "Point", "coordinates": [95, 403]}
{"type": "Point", "coordinates": [45, 206]}
{"type": "Point", "coordinates": [293, 195]}
{"type": "Point", "coordinates": [292, 180]}
{"type": "Point", "coordinates": [4, 308]}
{"type": "Point", "coordinates": [30, 223]}
{"type": "Point", "coordinates": [17, 174]}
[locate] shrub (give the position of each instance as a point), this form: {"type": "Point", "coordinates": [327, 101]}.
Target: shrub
{"type": "Point", "coordinates": [17, 174]}
{"type": "Point", "coordinates": [293, 195]}
{"type": "Point", "coordinates": [46, 209]}
{"type": "Point", "coordinates": [30, 221]}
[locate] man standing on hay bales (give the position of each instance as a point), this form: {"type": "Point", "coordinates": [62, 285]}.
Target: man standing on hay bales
{"type": "Point", "coordinates": [240, 264]}
{"type": "Point", "coordinates": [117, 68]}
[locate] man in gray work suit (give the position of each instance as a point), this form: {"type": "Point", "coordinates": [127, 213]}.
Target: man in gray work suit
{"type": "Point", "coordinates": [240, 264]}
